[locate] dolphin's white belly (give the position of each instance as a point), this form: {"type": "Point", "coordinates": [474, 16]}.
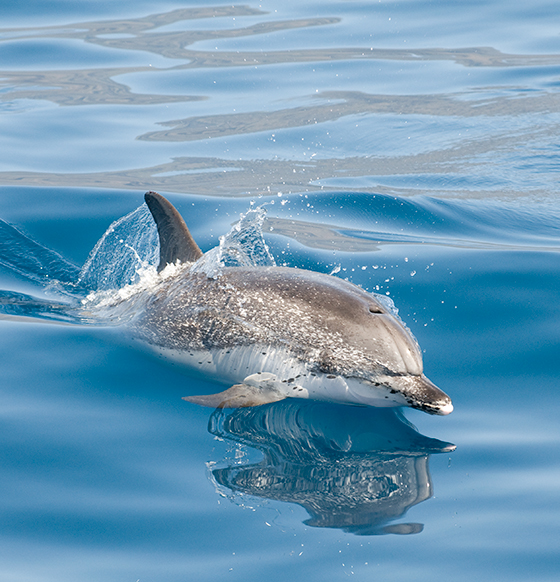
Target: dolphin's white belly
{"type": "Point", "coordinates": [233, 364]}
{"type": "Point", "coordinates": [292, 377]}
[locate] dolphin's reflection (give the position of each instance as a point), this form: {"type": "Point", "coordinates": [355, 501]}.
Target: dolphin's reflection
{"type": "Point", "coordinates": [350, 467]}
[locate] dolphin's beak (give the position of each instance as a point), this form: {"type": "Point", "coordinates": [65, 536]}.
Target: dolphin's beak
{"type": "Point", "coordinates": [426, 396]}
{"type": "Point", "coordinates": [445, 408]}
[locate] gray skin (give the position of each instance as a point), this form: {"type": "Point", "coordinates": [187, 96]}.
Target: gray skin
{"type": "Point", "coordinates": [278, 332]}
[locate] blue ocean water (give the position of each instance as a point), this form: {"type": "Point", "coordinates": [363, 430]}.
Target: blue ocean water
{"type": "Point", "coordinates": [410, 147]}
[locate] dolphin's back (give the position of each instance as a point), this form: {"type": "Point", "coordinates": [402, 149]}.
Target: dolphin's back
{"type": "Point", "coordinates": [341, 319]}
{"type": "Point", "coordinates": [321, 318]}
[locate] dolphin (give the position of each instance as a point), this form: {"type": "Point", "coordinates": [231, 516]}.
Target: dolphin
{"type": "Point", "coordinates": [271, 333]}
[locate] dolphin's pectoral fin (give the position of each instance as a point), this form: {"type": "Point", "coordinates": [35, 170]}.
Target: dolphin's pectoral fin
{"type": "Point", "coordinates": [238, 396]}
{"type": "Point", "coordinates": [175, 240]}
{"type": "Point", "coordinates": [256, 390]}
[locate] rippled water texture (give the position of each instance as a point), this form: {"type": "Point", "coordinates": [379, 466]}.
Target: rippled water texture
{"type": "Point", "coordinates": [411, 147]}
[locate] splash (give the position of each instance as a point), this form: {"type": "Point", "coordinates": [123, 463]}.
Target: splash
{"type": "Point", "coordinates": [242, 246]}
{"type": "Point", "coordinates": [120, 267]}
{"type": "Point", "coordinates": [126, 250]}
{"type": "Point", "coordinates": [120, 274]}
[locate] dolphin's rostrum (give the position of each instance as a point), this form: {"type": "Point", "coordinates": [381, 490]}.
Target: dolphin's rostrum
{"type": "Point", "coordinates": [278, 332]}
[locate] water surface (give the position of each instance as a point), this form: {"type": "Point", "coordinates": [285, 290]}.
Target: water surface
{"type": "Point", "coordinates": [410, 147]}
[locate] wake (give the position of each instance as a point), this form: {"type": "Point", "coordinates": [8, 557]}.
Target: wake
{"type": "Point", "coordinates": [120, 273]}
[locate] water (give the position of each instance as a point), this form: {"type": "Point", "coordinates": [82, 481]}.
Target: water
{"type": "Point", "coordinates": [410, 147]}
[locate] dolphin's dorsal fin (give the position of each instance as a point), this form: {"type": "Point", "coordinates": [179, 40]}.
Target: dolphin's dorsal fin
{"type": "Point", "coordinates": [175, 240]}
